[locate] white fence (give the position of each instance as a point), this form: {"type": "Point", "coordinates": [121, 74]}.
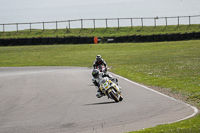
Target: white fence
{"type": "Point", "coordinates": [102, 23]}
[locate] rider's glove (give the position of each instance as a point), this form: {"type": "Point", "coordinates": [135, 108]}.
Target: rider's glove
{"type": "Point", "coordinates": [106, 69]}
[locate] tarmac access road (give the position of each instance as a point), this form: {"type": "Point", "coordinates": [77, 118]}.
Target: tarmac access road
{"type": "Point", "coordinates": [62, 100]}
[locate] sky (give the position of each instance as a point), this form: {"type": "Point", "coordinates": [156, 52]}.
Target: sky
{"type": "Point", "coordinates": [24, 11]}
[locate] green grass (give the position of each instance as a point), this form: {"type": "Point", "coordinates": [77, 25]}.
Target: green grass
{"type": "Point", "coordinates": [172, 66]}
{"type": "Point", "coordinates": [103, 32]}
{"type": "Point", "coordinates": [187, 126]}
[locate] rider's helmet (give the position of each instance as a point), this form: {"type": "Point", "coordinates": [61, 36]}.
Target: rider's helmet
{"type": "Point", "coordinates": [98, 57]}
{"type": "Point", "coordinates": [95, 73]}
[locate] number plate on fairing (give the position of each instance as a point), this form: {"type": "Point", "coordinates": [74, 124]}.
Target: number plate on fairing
{"type": "Point", "coordinates": [105, 85]}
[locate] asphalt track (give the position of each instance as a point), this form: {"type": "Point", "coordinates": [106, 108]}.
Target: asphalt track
{"type": "Point", "coordinates": [62, 100]}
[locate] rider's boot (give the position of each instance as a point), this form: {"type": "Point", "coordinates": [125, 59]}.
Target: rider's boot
{"type": "Point", "coordinates": [99, 94]}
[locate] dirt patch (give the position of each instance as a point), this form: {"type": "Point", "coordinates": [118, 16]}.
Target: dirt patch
{"type": "Point", "coordinates": [169, 93]}
{"type": "Point", "coordinates": [174, 95]}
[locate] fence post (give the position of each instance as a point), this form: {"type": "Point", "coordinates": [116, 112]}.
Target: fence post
{"type": "Point", "coordinates": [118, 22]}
{"type": "Point", "coordinates": [178, 20]}
{"type": "Point", "coordinates": [94, 23]}
{"type": "Point", "coordinates": [30, 27]}
{"type": "Point", "coordinates": [155, 24]}
{"type": "Point", "coordinates": [3, 28]}
{"type": "Point", "coordinates": [106, 24]}
{"type": "Point", "coordinates": [56, 25]}
{"type": "Point", "coordinates": [131, 22]}
{"type": "Point", "coordinates": [17, 26]}
{"type": "Point", "coordinates": [43, 25]}
{"type": "Point", "coordinates": [189, 21]}
{"type": "Point", "coordinates": [81, 23]}
{"type": "Point", "coordinates": [69, 24]}
{"type": "Point", "coordinates": [166, 20]}
{"type": "Point", "coordinates": [142, 21]}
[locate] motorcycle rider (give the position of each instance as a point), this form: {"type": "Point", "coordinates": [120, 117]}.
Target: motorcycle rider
{"type": "Point", "coordinates": [99, 61]}
{"type": "Point", "coordinates": [97, 76]}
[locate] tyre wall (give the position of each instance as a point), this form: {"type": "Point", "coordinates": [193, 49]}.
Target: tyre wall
{"type": "Point", "coordinates": [46, 41]}
{"type": "Point", "coordinates": [92, 40]}
{"type": "Point", "coordinates": [153, 38]}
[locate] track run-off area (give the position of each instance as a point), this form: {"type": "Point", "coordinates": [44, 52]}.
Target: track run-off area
{"type": "Point", "coordinates": [63, 100]}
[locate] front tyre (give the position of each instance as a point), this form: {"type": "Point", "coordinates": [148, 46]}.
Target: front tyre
{"type": "Point", "coordinates": [114, 96]}
{"type": "Point", "coordinates": [121, 98]}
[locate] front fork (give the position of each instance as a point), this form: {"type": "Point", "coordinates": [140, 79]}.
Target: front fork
{"type": "Point", "coordinates": [114, 89]}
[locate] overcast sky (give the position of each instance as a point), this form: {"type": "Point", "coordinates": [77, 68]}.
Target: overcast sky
{"type": "Point", "coordinates": [51, 10]}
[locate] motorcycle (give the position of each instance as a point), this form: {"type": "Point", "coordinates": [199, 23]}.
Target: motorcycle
{"type": "Point", "coordinates": [102, 68]}
{"type": "Point", "coordinates": [110, 89]}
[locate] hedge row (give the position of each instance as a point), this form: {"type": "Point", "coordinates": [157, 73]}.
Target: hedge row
{"type": "Point", "coordinates": [46, 41]}
{"type": "Point", "coordinates": [90, 40]}
{"type": "Point", "coordinates": [153, 38]}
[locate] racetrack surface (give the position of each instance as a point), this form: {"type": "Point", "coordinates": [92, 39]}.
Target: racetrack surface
{"type": "Point", "coordinates": [62, 100]}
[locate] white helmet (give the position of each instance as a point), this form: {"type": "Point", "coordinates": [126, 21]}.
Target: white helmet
{"type": "Point", "coordinates": [98, 57]}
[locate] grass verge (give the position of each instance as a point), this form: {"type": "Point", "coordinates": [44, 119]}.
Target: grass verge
{"type": "Point", "coordinates": [103, 32]}
{"type": "Point", "coordinates": [172, 66]}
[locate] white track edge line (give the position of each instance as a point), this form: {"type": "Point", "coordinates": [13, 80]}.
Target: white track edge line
{"type": "Point", "coordinates": [193, 107]}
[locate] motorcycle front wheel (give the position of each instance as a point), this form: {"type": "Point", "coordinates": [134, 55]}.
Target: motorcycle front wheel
{"type": "Point", "coordinates": [114, 96]}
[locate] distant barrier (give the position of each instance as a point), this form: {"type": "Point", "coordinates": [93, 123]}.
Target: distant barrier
{"type": "Point", "coordinates": [92, 40]}
{"type": "Point", "coordinates": [46, 41]}
{"type": "Point", "coordinates": [153, 38]}
{"type": "Point", "coordinates": [104, 22]}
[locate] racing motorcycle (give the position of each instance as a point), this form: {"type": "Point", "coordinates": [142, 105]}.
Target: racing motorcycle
{"type": "Point", "coordinates": [102, 68]}
{"type": "Point", "coordinates": [110, 89]}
